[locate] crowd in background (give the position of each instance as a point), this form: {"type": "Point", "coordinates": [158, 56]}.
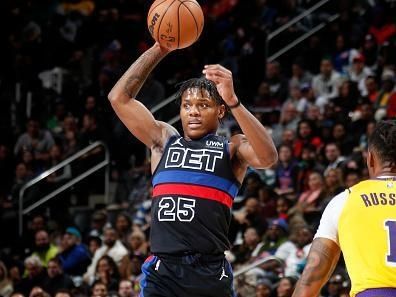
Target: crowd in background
{"type": "Point", "coordinates": [320, 101]}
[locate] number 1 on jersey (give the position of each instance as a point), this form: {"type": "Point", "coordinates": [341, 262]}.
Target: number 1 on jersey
{"type": "Point", "coordinates": [390, 226]}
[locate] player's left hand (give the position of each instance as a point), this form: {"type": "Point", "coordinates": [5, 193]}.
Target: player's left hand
{"type": "Point", "coordinates": [222, 77]}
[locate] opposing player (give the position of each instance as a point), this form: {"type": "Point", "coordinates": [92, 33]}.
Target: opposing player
{"type": "Point", "coordinates": [195, 177]}
{"type": "Point", "coordinates": [360, 222]}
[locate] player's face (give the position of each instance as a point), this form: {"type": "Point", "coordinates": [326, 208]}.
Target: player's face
{"type": "Point", "coordinates": [199, 113]}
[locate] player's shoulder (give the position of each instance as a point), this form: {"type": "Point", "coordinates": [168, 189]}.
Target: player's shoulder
{"type": "Point", "coordinates": [339, 200]}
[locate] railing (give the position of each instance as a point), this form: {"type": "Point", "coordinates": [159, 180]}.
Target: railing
{"type": "Point", "coordinates": [23, 211]}
{"type": "Point", "coordinates": [293, 21]}
{"type": "Point", "coordinates": [259, 262]}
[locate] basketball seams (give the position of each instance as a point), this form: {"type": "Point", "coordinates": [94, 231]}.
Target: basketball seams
{"type": "Point", "coordinates": [178, 23]}
{"type": "Point", "coordinates": [195, 21]}
{"type": "Point", "coordinates": [152, 8]}
{"type": "Point", "coordinates": [159, 25]}
{"type": "Point", "coordinates": [193, 2]}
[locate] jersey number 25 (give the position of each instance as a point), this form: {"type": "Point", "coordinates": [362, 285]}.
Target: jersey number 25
{"type": "Point", "coordinates": [181, 209]}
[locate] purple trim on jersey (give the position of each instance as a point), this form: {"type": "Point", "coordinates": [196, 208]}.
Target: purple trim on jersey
{"type": "Point", "coordinates": [390, 178]}
{"type": "Point", "coordinates": [196, 178]}
{"type": "Point", "coordinates": [383, 292]}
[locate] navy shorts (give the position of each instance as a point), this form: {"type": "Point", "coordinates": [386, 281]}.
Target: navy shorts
{"type": "Point", "coordinates": [192, 276]}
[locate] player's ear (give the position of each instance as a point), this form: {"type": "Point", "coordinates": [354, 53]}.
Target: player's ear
{"type": "Point", "coordinates": [370, 159]}
{"type": "Point", "coordinates": [222, 110]}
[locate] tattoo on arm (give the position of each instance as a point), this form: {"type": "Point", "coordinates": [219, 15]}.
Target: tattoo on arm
{"type": "Point", "coordinates": [321, 263]}
{"type": "Point", "coordinates": [139, 71]}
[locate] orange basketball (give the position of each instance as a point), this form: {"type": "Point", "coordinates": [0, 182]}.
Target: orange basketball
{"type": "Point", "coordinates": [175, 24]}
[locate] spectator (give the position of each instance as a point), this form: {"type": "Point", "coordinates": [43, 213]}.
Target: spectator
{"type": "Point", "coordinates": [111, 246]}
{"type": "Point", "coordinates": [283, 205]}
{"type": "Point", "coordinates": [133, 270]}
{"type": "Point", "coordinates": [333, 182]}
{"type": "Point", "coordinates": [250, 249]}
{"type": "Point", "coordinates": [94, 243]}
{"type": "Point", "coordinates": [326, 83]}
{"type": "Point", "coordinates": [6, 287]}
{"type": "Point", "coordinates": [299, 76]}
{"type": "Point", "coordinates": [106, 271]}
{"type": "Point", "coordinates": [264, 288]}
{"type": "Point", "coordinates": [288, 121]}
{"type": "Point", "coordinates": [123, 226]}
{"type": "Point", "coordinates": [137, 243]}
{"type": "Point", "coordinates": [307, 165]}
{"type": "Point", "coordinates": [125, 289]}
{"type": "Point", "coordinates": [347, 99]}
{"type": "Point", "coordinates": [99, 289]}
{"type": "Point", "coordinates": [36, 223]}
{"type": "Point", "coordinates": [358, 73]}
{"type": "Point", "coordinates": [297, 99]}
{"type": "Point", "coordinates": [275, 236]}
{"type": "Point", "coordinates": [308, 204]}
{"type": "Point", "coordinates": [306, 135]}
{"type": "Point", "coordinates": [35, 275]}
{"type": "Point", "coordinates": [294, 252]}
{"type": "Point", "coordinates": [98, 222]}
{"type": "Point", "coordinates": [372, 89]}
{"type": "Point", "coordinates": [251, 215]}
{"type": "Point", "coordinates": [340, 136]}
{"type": "Point", "coordinates": [267, 199]}
{"type": "Point", "coordinates": [74, 257]}
{"type": "Point", "coordinates": [334, 285]}
{"type": "Point", "coordinates": [333, 156]}
{"type": "Point", "coordinates": [44, 249]}
{"type": "Point", "coordinates": [286, 286]}
{"type": "Point", "coordinates": [277, 83]}
{"type": "Point", "coordinates": [286, 172]}
{"type": "Point", "coordinates": [35, 140]}
{"type": "Point", "coordinates": [352, 177]}
{"type": "Point", "coordinates": [55, 278]}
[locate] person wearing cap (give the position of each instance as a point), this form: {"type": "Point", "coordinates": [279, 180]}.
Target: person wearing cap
{"type": "Point", "coordinates": [276, 235]}
{"type": "Point", "coordinates": [75, 256]}
{"type": "Point", "coordinates": [358, 73]}
{"type": "Point", "coordinates": [263, 288]}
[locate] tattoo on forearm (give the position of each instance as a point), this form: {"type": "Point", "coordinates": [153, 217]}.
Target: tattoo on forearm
{"type": "Point", "coordinates": [320, 265]}
{"type": "Point", "coordinates": [139, 71]}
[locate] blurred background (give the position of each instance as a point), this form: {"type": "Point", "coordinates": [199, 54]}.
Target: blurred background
{"type": "Point", "coordinates": [75, 185]}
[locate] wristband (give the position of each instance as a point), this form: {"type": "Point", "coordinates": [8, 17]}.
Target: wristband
{"type": "Point", "coordinates": [235, 105]}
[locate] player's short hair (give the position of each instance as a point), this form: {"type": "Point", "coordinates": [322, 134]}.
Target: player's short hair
{"type": "Point", "coordinates": [200, 83]}
{"type": "Point", "coordinates": [383, 141]}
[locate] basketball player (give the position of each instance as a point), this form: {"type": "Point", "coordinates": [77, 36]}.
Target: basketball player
{"type": "Point", "coordinates": [195, 177]}
{"type": "Point", "coordinates": [360, 222]}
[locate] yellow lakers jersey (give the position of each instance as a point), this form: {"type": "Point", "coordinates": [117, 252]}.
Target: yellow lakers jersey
{"type": "Point", "coordinates": [367, 234]}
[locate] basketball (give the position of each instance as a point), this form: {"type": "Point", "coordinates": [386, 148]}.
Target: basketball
{"type": "Point", "coordinates": [175, 24]}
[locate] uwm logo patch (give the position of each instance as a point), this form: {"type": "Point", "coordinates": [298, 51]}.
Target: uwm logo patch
{"type": "Point", "coordinates": [202, 159]}
{"type": "Point", "coordinates": [214, 144]}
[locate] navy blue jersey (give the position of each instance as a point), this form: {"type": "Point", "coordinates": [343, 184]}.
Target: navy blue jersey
{"type": "Point", "coordinates": [193, 191]}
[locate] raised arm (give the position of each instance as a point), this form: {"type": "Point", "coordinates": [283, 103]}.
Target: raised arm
{"type": "Point", "coordinates": [322, 259]}
{"type": "Point", "coordinates": [136, 117]}
{"type": "Point", "coordinates": [255, 147]}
